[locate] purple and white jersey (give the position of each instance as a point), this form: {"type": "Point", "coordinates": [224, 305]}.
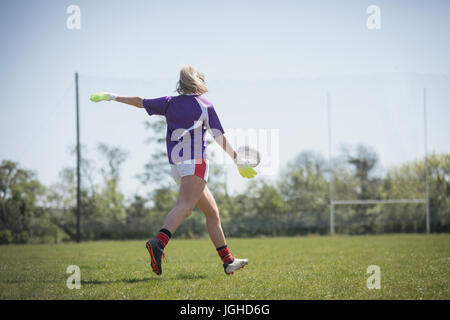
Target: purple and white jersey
{"type": "Point", "coordinates": [188, 118]}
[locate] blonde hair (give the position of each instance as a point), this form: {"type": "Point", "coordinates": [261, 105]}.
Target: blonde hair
{"type": "Point", "coordinates": [191, 81]}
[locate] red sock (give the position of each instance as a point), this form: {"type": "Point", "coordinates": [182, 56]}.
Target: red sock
{"type": "Point", "coordinates": [163, 237]}
{"type": "Point", "coordinates": [225, 254]}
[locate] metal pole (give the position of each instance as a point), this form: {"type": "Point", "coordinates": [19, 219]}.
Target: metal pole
{"type": "Point", "coordinates": [330, 166]}
{"type": "Point", "coordinates": [427, 186]}
{"type": "Point", "coordinates": [78, 161]}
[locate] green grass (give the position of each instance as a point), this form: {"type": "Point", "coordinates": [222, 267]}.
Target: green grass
{"type": "Point", "coordinates": [412, 267]}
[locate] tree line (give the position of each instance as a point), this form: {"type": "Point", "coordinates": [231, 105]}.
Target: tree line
{"type": "Point", "coordinates": [296, 203]}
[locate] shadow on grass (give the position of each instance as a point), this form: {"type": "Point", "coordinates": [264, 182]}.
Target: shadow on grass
{"type": "Point", "coordinates": [84, 281]}
{"type": "Point", "coordinates": [120, 281]}
{"type": "Point", "coordinates": [189, 276]}
{"type": "Point", "coordinates": [179, 276]}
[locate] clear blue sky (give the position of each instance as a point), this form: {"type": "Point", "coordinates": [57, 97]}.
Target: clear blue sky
{"type": "Point", "coordinates": [268, 64]}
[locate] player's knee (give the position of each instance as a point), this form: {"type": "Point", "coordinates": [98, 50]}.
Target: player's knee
{"type": "Point", "coordinates": [188, 213]}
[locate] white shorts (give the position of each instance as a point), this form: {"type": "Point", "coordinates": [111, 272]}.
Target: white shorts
{"type": "Point", "coordinates": [197, 167]}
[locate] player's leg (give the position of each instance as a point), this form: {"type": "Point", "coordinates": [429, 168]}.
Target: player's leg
{"type": "Point", "coordinates": [191, 190]}
{"type": "Point", "coordinates": [208, 206]}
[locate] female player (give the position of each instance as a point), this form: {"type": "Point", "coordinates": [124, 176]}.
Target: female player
{"type": "Point", "coordinates": [188, 115]}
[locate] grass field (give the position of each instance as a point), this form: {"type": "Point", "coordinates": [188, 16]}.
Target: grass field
{"type": "Point", "coordinates": [412, 267]}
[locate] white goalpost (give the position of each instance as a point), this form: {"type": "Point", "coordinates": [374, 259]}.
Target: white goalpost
{"type": "Point", "coordinates": [334, 203]}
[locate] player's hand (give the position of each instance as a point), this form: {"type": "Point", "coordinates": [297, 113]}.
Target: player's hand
{"type": "Point", "coordinates": [245, 170]}
{"type": "Point", "coordinates": [103, 96]}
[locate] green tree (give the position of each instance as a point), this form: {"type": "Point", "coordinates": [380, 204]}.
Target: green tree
{"type": "Point", "coordinates": [306, 191]}
{"type": "Point", "coordinates": [111, 195]}
{"type": "Point", "coordinates": [364, 161]}
{"type": "Point", "coordinates": [19, 192]}
{"type": "Point", "coordinates": [157, 170]}
{"type": "Point", "coordinates": [357, 179]}
{"type": "Point", "coordinates": [407, 181]}
{"type": "Point", "coordinates": [60, 202]}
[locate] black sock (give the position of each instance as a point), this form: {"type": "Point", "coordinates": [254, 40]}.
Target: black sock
{"type": "Point", "coordinates": [166, 232]}
{"type": "Point", "coordinates": [163, 238]}
{"type": "Point", "coordinates": [220, 248]}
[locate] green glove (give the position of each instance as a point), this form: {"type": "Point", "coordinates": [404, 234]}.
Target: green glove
{"type": "Point", "coordinates": [103, 96]}
{"type": "Point", "coordinates": [247, 172]}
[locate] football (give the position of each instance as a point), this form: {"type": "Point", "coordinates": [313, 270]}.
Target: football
{"type": "Point", "coordinates": [249, 155]}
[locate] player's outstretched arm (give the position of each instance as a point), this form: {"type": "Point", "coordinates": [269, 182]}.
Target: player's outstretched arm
{"type": "Point", "coordinates": [107, 96]}
{"type": "Point", "coordinates": [134, 101]}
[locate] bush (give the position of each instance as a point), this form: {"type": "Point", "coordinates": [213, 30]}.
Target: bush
{"type": "Point", "coordinates": [22, 237]}
{"type": "Point", "coordinates": [5, 237]}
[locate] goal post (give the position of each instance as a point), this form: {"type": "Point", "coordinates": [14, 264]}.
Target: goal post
{"type": "Point", "coordinates": [334, 203]}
